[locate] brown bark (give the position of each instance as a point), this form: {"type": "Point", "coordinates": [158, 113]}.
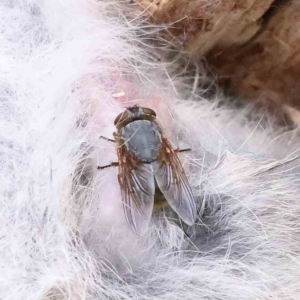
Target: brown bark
{"type": "Point", "coordinates": [203, 25]}
{"type": "Point", "coordinates": [267, 68]}
{"type": "Point", "coordinates": [252, 48]}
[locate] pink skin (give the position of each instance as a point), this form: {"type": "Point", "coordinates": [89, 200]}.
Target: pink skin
{"type": "Point", "coordinates": [104, 105]}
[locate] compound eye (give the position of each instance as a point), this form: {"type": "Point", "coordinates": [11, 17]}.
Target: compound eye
{"type": "Point", "coordinates": [121, 117]}
{"type": "Point", "coordinates": [148, 111]}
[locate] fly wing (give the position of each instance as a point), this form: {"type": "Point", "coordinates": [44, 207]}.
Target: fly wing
{"type": "Point", "coordinates": [173, 183]}
{"type": "Point", "coordinates": [137, 190]}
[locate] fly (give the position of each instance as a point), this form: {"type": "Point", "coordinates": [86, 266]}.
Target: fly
{"type": "Point", "coordinates": [146, 160]}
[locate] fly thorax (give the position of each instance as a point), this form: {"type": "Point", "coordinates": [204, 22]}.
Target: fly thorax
{"type": "Point", "coordinates": [142, 137]}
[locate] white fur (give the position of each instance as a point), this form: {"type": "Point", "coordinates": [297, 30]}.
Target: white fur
{"type": "Point", "coordinates": [61, 62]}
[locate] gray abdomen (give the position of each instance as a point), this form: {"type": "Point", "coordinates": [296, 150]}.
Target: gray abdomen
{"type": "Point", "coordinates": [143, 138]}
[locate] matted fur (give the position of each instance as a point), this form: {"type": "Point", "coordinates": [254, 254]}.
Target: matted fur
{"type": "Point", "coordinates": [68, 68]}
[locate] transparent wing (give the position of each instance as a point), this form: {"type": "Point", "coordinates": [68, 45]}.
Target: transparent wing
{"type": "Point", "coordinates": [137, 190]}
{"type": "Point", "coordinates": [173, 183]}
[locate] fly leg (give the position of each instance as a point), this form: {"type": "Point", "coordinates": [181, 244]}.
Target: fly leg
{"type": "Point", "coordinates": [182, 150]}
{"type": "Point", "coordinates": [113, 164]}
{"type": "Point", "coordinates": [186, 233]}
{"type": "Point", "coordinates": [107, 139]}
{"type": "Point", "coordinates": [185, 228]}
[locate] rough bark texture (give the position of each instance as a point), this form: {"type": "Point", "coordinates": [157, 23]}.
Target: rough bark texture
{"type": "Point", "coordinates": [253, 46]}
{"type": "Point", "coordinates": [203, 25]}
{"type": "Point", "coordinates": [267, 68]}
